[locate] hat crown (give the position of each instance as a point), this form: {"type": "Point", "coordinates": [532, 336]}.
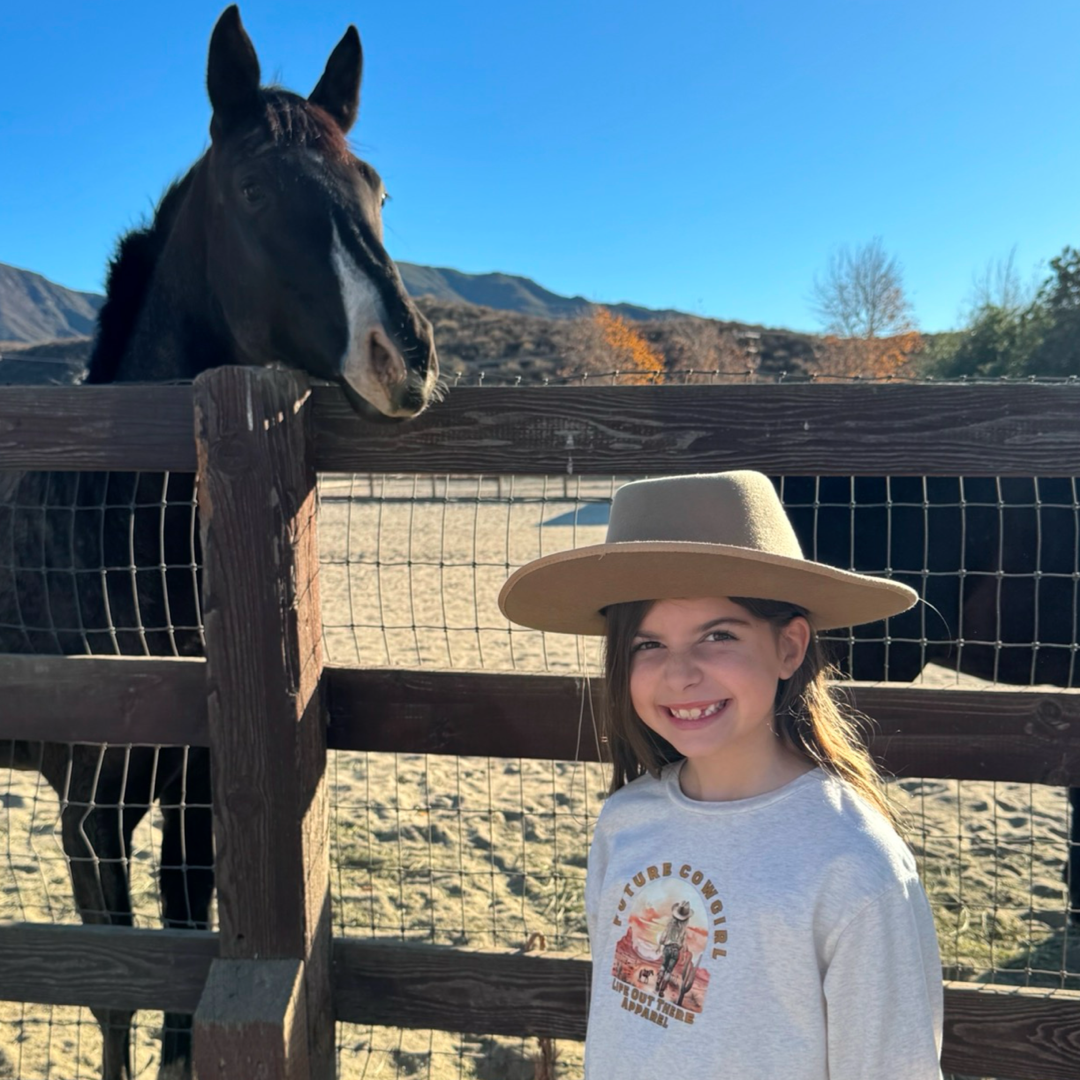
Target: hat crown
{"type": "Point", "coordinates": [710, 534]}
{"type": "Point", "coordinates": [739, 509]}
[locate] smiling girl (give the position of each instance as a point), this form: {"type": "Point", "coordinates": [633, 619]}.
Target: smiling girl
{"type": "Point", "coordinates": [752, 912]}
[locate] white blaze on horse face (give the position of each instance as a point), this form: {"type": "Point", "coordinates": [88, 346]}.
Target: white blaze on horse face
{"type": "Point", "coordinates": [371, 365]}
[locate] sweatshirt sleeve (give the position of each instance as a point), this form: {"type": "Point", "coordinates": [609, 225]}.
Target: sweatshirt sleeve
{"type": "Point", "coordinates": [883, 991]}
{"type": "Point", "coordinates": [594, 875]}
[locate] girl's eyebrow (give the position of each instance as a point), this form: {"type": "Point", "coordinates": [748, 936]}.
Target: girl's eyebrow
{"type": "Point", "coordinates": [703, 628]}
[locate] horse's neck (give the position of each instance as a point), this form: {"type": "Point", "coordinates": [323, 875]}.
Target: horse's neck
{"type": "Point", "coordinates": [177, 333]}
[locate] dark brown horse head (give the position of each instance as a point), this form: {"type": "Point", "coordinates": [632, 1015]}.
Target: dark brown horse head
{"type": "Point", "coordinates": [294, 239]}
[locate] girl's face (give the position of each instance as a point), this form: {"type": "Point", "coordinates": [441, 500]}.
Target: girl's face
{"type": "Point", "coordinates": [704, 674]}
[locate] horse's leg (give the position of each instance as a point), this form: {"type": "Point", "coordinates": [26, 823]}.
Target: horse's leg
{"type": "Point", "coordinates": [96, 837]}
{"type": "Point", "coordinates": [187, 883]}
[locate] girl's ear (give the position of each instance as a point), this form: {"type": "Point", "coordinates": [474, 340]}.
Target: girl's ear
{"type": "Point", "coordinates": [794, 640]}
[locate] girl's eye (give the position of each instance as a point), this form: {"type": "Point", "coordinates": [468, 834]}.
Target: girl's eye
{"type": "Point", "coordinates": [719, 635]}
{"type": "Point", "coordinates": [641, 646]}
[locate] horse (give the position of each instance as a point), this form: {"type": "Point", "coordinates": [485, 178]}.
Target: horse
{"type": "Point", "coordinates": [996, 562]}
{"type": "Point", "coordinates": [269, 251]}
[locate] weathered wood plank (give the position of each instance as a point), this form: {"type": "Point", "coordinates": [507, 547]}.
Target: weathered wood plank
{"type": "Point", "coordinates": [489, 993]}
{"type": "Point", "coordinates": [1026, 735]}
{"type": "Point", "coordinates": [1031, 736]}
{"type": "Point", "coordinates": [252, 1021]}
{"type": "Point", "coordinates": [103, 699]}
{"type": "Point", "coordinates": [862, 429]}
{"type": "Point", "coordinates": [96, 427]}
{"type": "Point", "coordinates": [1014, 1032]}
{"type": "Point", "coordinates": [899, 429]}
{"type": "Point", "coordinates": [264, 666]}
{"type": "Point", "coordinates": [108, 967]}
{"type": "Point", "coordinates": [486, 714]}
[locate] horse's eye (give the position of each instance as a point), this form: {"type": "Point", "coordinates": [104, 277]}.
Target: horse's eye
{"type": "Point", "coordinates": [384, 199]}
{"type": "Point", "coordinates": [252, 192]}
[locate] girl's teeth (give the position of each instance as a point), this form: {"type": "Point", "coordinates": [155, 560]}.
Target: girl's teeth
{"type": "Point", "coordinates": [695, 714]}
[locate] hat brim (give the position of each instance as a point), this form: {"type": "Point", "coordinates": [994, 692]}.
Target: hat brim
{"type": "Point", "coordinates": [566, 593]}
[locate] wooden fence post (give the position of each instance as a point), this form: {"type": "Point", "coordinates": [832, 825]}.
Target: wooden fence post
{"type": "Point", "coordinates": [266, 1010]}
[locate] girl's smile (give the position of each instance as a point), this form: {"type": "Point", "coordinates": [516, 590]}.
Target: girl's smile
{"type": "Point", "coordinates": [703, 676]}
{"type": "Point", "coordinates": [696, 714]}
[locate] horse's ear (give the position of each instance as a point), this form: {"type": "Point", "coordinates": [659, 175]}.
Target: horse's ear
{"type": "Point", "coordinates": [232, 71]}
{"type": "Point", "coordinates": [338, 91]}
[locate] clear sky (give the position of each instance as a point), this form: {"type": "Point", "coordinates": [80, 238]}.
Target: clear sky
{"type": "Point", "coordinates": [705, 155]}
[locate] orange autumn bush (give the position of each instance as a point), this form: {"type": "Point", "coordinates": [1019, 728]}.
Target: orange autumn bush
{"type": "Point", "coordinates": [872, 357]}
{"type": "Point", "coordinates": [629, 350]}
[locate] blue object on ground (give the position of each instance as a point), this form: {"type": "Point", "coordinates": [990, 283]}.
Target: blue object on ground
{"type": "Point", "coordinates": [589, 514]}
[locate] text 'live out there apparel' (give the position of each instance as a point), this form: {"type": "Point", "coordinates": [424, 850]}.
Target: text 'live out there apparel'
{"type": "Point", "coordinates": [784, 935]}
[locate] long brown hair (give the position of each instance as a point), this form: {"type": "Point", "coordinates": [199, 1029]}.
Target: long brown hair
{"type": "Point", "coordinates": [807, 715]}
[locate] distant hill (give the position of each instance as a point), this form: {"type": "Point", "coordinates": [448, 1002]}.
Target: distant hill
{"type": "Point", "coordinates": [496, 324]}
{"type": "Point", "coordinates": [32, 308]}
{"type": "Point", "coordinates": [473, 340]}
{"type": "Point", "coordinates": [506, 292]}
{"type": "Point", "coordinates": [46, 363]}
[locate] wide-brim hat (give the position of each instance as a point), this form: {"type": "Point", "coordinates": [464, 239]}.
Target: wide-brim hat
{"type": "Point", "coordinates": [681, 910]}
{"type": "Point", "coordinates": [712, 534]}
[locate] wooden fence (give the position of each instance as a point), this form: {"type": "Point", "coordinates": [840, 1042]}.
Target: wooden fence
{"type": "Point", "coordinates": [267, 986]}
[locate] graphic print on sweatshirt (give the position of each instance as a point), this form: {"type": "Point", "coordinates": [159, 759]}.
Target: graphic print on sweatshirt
{"type": "Point", "coordinates": [673, 925]}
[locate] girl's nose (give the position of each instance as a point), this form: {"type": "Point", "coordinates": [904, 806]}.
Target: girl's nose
{"type": "Point", "coordinates": [681, 669]}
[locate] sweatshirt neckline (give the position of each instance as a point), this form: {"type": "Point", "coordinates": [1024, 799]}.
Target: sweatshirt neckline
{"type": "Point", "coordinates": [670, 780]}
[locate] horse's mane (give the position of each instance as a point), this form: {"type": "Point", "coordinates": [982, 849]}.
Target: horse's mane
{"type": "Point", "coordinates": [130, 272]}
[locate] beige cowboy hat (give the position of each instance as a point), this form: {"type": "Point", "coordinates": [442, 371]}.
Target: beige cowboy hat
{"type": "Point", "coordinates": [712, 534]}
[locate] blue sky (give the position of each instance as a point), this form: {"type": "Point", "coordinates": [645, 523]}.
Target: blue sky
{"type": "Point", "coordinates": [706, 156]}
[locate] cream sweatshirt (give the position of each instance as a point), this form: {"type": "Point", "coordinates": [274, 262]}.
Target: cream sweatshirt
{"type": "Point", "coordinates": [780, 936]}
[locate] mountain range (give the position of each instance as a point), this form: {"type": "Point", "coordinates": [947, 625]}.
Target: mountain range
{"type": "Point", "coordinates": [508, 292]}
{"type": "Point", "coordinates": [486, 325]}
{"type": "Point", "coordinates": [34, 309]}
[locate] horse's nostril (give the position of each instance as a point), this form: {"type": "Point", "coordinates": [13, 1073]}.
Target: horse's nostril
{"type": "Point", "coordinates": [386, 362]}
{"type": "Point", "coordinates": [380, 356]}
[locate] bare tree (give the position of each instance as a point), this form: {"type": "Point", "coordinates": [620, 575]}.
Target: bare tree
{"type": "Point", "coordinates": [702, 347]}
{"type": "Point", "coordinates": [861, 294]}
{"type": "Point", "coordinates": [999, 286]}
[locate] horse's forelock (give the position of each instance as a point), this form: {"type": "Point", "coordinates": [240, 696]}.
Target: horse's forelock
{"type": "Point", "coordinates": [291, 120]}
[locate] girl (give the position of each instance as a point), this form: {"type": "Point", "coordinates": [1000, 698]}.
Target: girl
{"type": "Point", "coordinates": [751, 910]}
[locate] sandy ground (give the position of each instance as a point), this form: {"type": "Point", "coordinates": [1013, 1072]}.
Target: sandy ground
{"type": "Point", "coordinates": [486, 853]}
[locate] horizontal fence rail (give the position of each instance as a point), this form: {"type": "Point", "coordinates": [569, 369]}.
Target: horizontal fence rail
{"type": "Point", "coordinates": [107, 967]}
{"type": "Point", "coordinates": [1026, 735]}
{"type": "Point", "coordinates": [97, 427]}
{"type": "Point", "coordinates": [103, 699]}
{"type": "Point", "coordinates": [1021, 1033]}
{"type": "Point", "coordinates": [1001, 430]}
{"type": "Point", "coordinates": [487, 993]}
